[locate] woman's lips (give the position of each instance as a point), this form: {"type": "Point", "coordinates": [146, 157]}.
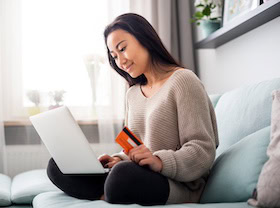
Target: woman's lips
{"type": "Point", "coordinates": [128, 69]}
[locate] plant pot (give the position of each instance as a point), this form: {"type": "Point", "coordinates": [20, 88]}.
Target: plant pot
{"type": "Point", "coordinates": [209, 26]}
{"type": "Point", "coordinates": [33, 110]}
{"type": "Point", "coordinates": [54, 106]}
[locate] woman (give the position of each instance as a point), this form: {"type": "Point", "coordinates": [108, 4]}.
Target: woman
{"type": "Point", "coordinates": [168, 108]}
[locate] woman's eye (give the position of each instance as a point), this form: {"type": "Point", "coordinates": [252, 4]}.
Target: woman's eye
{"type": "Point", "coordinates": [115, 57]}
{"type": "Point", "coordinates": [122, 49]}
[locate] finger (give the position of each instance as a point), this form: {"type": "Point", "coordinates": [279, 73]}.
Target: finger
{"type": "Point", "coordinates": [133, 154]}
{"type": "Point", "coordinates": [100, 156]}
{"type": "Point", "coordinates": [141, 156]}
{"type": "Point", "coordinates": [144, 150]}
{"type": "Point", "coordinates": [133, 150]}
{"type": "Point", "coordinates": [146, 161]}
{"type": "Point", "coordinates": [104, 157]}
{"type": "Point", "coordinates": [137, 150]}
{"type": "Point", "coordinates": [110, 164]}
{"type": "Point", "coordinates": [125, 152]}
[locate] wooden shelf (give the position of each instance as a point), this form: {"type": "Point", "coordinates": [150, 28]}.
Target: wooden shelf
{"type": "Point", "coordinates": [239, 26]}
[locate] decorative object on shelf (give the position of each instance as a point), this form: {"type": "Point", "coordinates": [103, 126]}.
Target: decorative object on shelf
{"type": "Point", "coordinates": [251, 20]}
{"type": "Point", "coordinates": [57, 98]}
{"type": "Point", "coordinates": [203, 16]}
{"type": "Point", "coordinates": [210, 26]}
{"type": "Point", "coordinates": [233, 8]}
{"type": "Point", "coordinates": [34, 97]}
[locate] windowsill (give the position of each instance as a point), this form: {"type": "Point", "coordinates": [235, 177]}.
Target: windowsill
{"type": "Point", "coordinates": [28, 123]}
{"type": "Point", "coordinates": [22, 132]}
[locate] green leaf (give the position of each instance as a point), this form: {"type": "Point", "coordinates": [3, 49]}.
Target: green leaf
{"type": "Point", "coordinates": [213, 19]}
{"type": "Point", "coordinates": [199, 5]}
{"type": "Point", "coordinates": [206, 11]}
{"type": "Point", "coordinates": [192, 20]}
{"type": "Point", "coordinates": [198, 15]}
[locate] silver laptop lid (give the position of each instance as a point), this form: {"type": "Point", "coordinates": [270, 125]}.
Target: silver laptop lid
{"type": "Point", "coordinates": [66, 142]}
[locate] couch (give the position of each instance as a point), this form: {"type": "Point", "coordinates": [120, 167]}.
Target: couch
{"type": "Point", "coordinates": [243, 118]}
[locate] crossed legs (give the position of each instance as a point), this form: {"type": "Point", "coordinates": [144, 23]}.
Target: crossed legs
{"type": "Point", "coordinates": [126, 183]}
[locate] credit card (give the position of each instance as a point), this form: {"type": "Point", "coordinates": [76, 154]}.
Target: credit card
{"type": "Point", "coordinates": [127, 140]}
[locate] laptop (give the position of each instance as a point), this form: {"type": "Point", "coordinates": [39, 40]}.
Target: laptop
{"type": "Point", "coordinates": [66, 142]}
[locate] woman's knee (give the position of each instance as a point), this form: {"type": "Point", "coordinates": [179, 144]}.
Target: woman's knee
{"type": "Point", "coordinates": [130, 183]}
{"type": "Point", "coordinates": [118, 182]}
{"type": "Point", "coordinates": [89, 187]}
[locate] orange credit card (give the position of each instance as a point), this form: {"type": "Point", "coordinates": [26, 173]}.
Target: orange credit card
{"type": "Point", "coordinates": [127, 140]}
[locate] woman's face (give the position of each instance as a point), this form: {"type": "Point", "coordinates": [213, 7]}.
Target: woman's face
{"type": "Point", "coordinates": [129, 55]}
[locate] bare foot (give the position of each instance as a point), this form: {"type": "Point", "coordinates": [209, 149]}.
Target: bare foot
{"type": "Point", "coordinates": [102, 197]}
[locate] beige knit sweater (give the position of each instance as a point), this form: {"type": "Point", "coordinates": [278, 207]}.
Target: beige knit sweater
{"type": "Point", "coordinates": [178, 125]}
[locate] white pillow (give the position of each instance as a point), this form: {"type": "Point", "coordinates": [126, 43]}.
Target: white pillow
{"type": "Point", "coordinates": [5, 190]}
{"type": "Point", "coordinates": [27, 185]}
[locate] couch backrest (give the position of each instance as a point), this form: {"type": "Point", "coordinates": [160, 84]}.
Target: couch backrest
{"type": "Point", "coordinates": [243, 111]}
{"type": "Point", "coordinates": [243, 118]}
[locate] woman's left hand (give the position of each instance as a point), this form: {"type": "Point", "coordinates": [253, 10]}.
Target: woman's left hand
{"type": "Point", "coordinates": [143, 156]}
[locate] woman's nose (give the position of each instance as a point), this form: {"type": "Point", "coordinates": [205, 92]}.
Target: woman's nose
{"type": "Point", "coordinates": [122, 60]}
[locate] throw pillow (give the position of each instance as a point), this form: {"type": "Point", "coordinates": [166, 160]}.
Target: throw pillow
{"type": "Point", "coordinates": [235, 172]}
{"type": "Point", "coordinates": [27, 185]}
{"type": "Point", "coordinates": [5, 190]}
{"type": "Point", "coordinates": [268, 187]}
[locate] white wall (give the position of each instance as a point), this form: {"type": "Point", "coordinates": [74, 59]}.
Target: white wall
{"type": "Point", "coordinates": [250, 58]}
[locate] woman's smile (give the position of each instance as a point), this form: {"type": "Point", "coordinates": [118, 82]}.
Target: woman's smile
{"type": "Point", "coordinates": [128, 68]}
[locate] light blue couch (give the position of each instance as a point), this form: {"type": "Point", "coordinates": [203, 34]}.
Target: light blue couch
{"type": "Point", "coordinates": [243, 117]}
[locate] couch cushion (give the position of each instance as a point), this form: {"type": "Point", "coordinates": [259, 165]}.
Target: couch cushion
{"type": "Point", "coordinates": [235, 172]}
{"type": "Point", "coordinates": [244, 111]}
{"type": "Point", "coordinates": [59, 199]}
{"type": "Point", "coordinates": [27, 185]}
{"type": "Point", "coordinates": [214, 99]}
{"type": "Point", "coordinates": [5, 190]}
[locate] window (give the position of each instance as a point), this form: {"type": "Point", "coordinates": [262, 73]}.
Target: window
{"type": "Point", "coordinates": [57, 38]}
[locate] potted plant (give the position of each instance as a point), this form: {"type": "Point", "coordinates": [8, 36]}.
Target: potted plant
{"type": "Point", "coordinates": [57, 98]}
{"type": "Point", "coordinates": [34, 97]}
{"type": "Point", "coordinates": [205, 11]}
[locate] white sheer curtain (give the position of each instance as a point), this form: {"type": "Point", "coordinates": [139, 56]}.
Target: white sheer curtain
{"type": "Point", "coordinates": [3, 160]}
{"type": "Point", "coordinates": [49, 47]}
{"type": "Point", "coordinates": [110, 111]}
{"type": "Point", "coordinates": [10, 71]}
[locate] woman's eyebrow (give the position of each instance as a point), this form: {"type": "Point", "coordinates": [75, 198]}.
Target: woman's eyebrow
{"type": "Point", "coordinates": [118, 45]}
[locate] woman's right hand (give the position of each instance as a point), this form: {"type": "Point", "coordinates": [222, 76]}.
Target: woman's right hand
{"type": "Point", "coordinates": [108, 161]}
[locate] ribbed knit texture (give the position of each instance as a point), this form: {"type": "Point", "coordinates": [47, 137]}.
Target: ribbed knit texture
{"type": "Point", "coordinates": [178, 125]}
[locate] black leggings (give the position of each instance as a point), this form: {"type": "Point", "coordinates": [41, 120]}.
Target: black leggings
{"type": "Point", "coordinates": [127, 183]}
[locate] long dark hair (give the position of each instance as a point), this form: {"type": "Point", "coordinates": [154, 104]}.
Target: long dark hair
{"type": "Point", "coordinates": [143, 31]}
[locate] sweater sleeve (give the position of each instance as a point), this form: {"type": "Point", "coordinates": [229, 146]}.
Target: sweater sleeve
{"type": "Point", "coordinates": [197, 138]}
